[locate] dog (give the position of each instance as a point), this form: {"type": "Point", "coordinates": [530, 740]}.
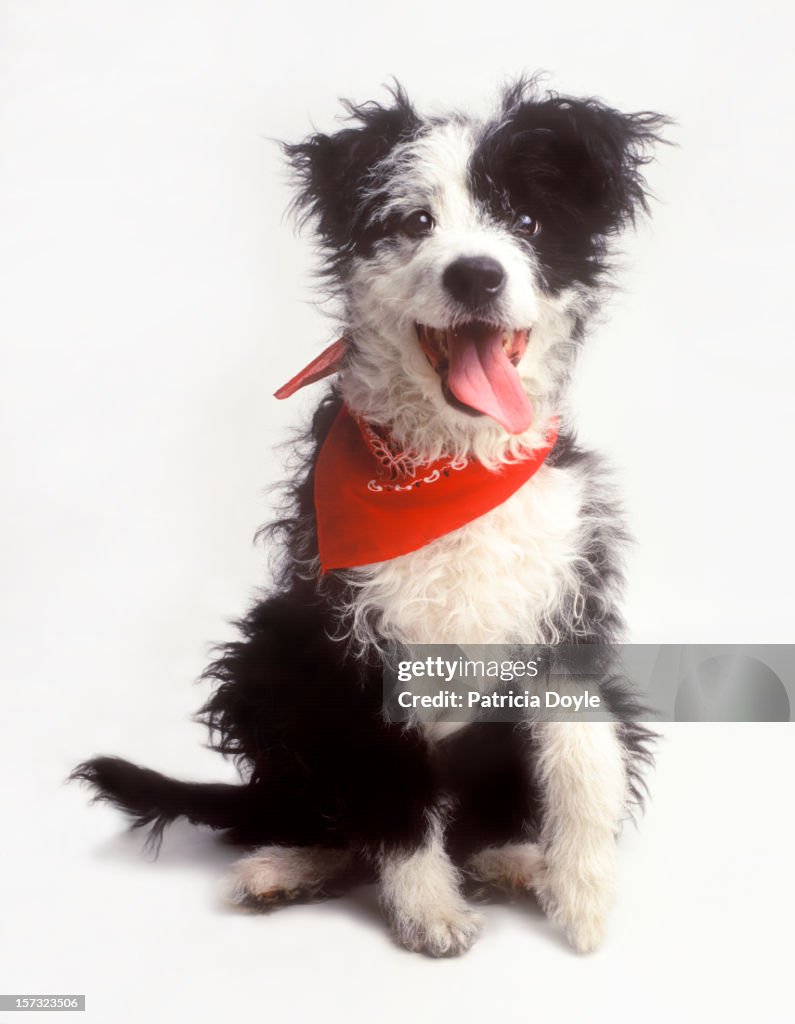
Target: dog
{"type": "Point", "coordinates": [441, 499]}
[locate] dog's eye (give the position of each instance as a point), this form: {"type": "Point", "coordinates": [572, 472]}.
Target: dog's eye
{"type": "Point", "coordinates": [417, 224]}
{"type": "Point", "coordinates": [527, 224]}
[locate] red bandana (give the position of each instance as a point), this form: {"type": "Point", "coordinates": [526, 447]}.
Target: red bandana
{"type": "Point", "coordinates": [374, 502]}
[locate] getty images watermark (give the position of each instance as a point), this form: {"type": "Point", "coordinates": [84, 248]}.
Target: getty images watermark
{"type": "Point", "coordinates": [591, 682]}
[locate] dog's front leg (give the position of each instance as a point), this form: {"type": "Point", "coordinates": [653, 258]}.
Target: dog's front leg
{"type": "Point", "coordinates": [420, 890]}
{"type": "Point", "coordinates": [582, 774]}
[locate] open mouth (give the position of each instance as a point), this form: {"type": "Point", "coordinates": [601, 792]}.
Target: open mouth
{"type": "Point", "coordinates": [476, 363]}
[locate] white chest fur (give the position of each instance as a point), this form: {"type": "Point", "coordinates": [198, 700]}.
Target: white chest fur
{"type": "Point", "coordinates": [497, 579]}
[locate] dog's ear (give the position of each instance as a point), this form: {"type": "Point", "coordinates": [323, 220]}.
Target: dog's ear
{"type": "Point", "coordinates": [334, 172]}
{"type": "Point", "coordinates": [586, 158]}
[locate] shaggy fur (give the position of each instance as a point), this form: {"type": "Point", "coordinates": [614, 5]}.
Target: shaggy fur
{"type": "Point", "coordinates": [441, 222]}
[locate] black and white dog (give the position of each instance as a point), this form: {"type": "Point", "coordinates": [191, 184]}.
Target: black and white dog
{"type": "Point", "coordinates": [468, 256]}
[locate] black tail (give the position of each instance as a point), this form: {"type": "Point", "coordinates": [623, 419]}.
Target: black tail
{"type": "Point", "coordinates": [154, 801]}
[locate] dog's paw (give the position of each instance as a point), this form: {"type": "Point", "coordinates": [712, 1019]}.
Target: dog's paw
{"type": "Point", "coordinates": [420, 891]}
{"type": "Point", "coordinates": [276, 875]}
{"type": "Point", "coordinates": [259, 881]}
{"type": "Point", "coordinates": [579, 896]}
{"type": "Point", "coordinates": [514, 868]}
{"type": "Point", "coordinates": [447, 932]}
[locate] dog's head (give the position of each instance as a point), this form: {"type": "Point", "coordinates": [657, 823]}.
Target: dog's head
{"type": "Point", "coordinates": [468, 254]}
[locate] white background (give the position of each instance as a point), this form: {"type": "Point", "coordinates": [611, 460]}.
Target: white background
{"type": "Point", "coordinates": [153, 298]}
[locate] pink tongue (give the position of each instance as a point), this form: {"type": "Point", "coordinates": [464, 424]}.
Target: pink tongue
{"type": "Point", "coordinates": [482, 376]}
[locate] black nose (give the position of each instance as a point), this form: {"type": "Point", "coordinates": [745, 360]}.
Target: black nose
{"type": "Point", "coordinates": [474, 280]}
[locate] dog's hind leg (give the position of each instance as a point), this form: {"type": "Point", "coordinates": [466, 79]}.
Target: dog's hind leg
{"type": "Point", "coordinates": [274, 875]}
{"type": "Point", "coordinates": [420, 890]}
{"type": "Point", "coordinates": [515, 867]}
